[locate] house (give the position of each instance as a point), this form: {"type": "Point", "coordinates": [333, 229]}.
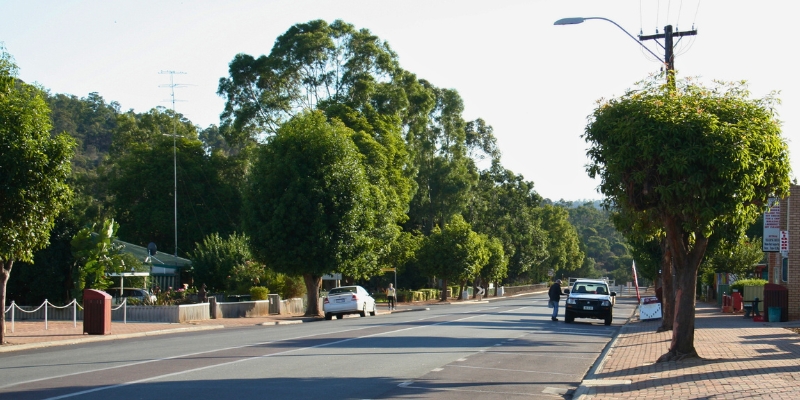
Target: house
{"type": "Point", "coordinates": [166, 270]}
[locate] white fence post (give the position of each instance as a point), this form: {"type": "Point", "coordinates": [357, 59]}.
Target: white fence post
{"type": "Point", "coordinates": [45, 314]}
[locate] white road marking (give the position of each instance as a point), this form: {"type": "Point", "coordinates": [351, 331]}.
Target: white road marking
{"type": "Point", "coordinates": [98, 389]}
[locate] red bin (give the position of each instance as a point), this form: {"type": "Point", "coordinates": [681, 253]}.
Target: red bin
{"type": "Point", "coordinates": [96, 312]}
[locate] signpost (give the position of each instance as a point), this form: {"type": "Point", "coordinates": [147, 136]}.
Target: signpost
{"type": "Point", "coordinates": [772, 227]}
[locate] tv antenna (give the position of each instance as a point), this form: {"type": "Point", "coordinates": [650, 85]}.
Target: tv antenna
{"type": "Point", "coordinates": [172, 85]}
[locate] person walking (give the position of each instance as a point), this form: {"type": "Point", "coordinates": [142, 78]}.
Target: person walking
{"type": "Point", "coordinates": [555, 296]}
{"type": "Point", "coordinates": [390, 296]}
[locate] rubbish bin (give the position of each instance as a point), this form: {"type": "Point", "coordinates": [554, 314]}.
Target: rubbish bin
{"type": "Point", "coordinates": [776, 296]}
{"type": "Point", "coordinates": [501, 291]}
{"type": "Point", "coordinates": [96, 312]}
{"type": "Point", "coordinates": [774, 314]}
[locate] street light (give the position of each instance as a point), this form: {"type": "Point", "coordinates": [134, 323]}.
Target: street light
{"type": "Point", "coordinates": [579, 20]}
{"type": "Point", "coordinates": [669, 45]}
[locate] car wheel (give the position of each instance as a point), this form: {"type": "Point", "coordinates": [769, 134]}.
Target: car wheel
{"type": "Point", "coordinates": [609, 317]}
{"type": "Point", "coordinates": [568, 317]}
{"type": "Point", "coordinates": [328, 316]}
{"type": "Point", "coordinates": [364, 310]}
{"type": "Point", "coordinates": [339, 316]}
{"type": "Point", "coordinates": [374, 311]}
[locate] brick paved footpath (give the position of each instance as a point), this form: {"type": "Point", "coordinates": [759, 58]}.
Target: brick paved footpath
{"type": "Point", "coordinates": [741, 359]}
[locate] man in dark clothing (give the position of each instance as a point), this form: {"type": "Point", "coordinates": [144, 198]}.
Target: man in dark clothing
{"type": "Point", "coordinates": [555, 296]}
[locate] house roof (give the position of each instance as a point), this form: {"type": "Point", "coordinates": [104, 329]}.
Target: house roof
{"type": "Point", "coordinates": [158, 260]}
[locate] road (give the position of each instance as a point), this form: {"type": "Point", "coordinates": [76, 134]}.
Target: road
{"type": "Point", "coordinates": [505, 349]}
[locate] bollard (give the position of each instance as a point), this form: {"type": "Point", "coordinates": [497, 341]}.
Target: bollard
{"type": "Point", "coordinates": [212, 305]}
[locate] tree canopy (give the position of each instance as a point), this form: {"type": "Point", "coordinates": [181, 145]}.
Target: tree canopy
{"type": "Point", "coordinates": [698, 158]}
{"type": "Point", "coordinates": [309, 207]}
{"type": "Point", "coordinates": [34, 167]}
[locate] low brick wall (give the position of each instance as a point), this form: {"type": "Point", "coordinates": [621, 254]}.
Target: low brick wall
{"type": "Point", "coordinates": [241, 309]}
{"type": "Point", "coordinates": [512, 290]}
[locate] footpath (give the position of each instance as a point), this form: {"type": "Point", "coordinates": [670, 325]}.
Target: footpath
{"type": "Point", "coordinates": [740, 358]}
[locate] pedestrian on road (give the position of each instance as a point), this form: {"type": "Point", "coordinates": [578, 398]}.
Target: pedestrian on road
{"type": "Point", "coordinates": [555, 296]}
{"type": "Point", "coordinates": [390, 296]}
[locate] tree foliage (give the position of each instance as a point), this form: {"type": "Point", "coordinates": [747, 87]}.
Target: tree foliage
{"type": "Point", "coordinates": [97, 254]}
{"type": "Point", "coordinates": [309, 207]}
{"type": "Point", "coordinates": [215, 260]}
{"type": "Point", "coordinates": [34, 167]}
{"type": "Point", "coordinates": [455, 253]}
{"type": "Point", "coordinates": [504, 207]}
{"type": "Point", "coordinates": [563, 248]}
{"type": "Point", "coordinates": [697, 158]}
{"type": "Point", "coordinates": [141, 177]}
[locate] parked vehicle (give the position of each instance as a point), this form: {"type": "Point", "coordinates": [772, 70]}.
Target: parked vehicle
{"type": "Point", "coordinates": [143, 295]}
{"type": "Point", "coordinates": [348, 300]}
{"type": "Point", "coordinates": [589, 298]}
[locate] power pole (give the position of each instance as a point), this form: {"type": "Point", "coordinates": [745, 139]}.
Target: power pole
{"type": "Point", "coordinates": [669, 47]}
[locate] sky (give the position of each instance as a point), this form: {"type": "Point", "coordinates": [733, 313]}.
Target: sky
{"type": "Point", "coordinates": [535, 83]}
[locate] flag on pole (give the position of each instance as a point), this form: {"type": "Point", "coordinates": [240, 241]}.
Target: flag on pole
{"type": "Point", "coordinates": [636, 282]}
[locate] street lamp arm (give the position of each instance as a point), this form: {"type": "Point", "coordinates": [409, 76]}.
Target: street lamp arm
{"type": "Point", "coordinates": [578, 20]}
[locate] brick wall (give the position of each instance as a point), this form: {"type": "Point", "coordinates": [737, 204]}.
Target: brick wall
{"type": "Point", "coordinates": [792, 222]}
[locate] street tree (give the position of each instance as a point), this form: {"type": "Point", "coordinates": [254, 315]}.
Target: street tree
{"type": "Point", "coordinates": [563, 248]}
{"type": "Point", "coordinates": [504, 207]}
{"type": "Point", "coordinates": [34, 167]}
{"type": "Point", "coordinates": [310, 208]}
{"type": "Point", "coordinates": [454, 253]}
{"type": "Point", "coordinates": [698, 158]}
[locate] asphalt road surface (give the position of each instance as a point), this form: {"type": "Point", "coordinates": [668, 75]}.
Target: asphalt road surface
{"type": "Point", "coordinates": [505, 349]}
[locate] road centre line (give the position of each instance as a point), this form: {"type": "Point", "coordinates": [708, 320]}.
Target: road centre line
{"type": "Point", "coordinates": [196, 354]}
{"type": "Point", "coordinates": [248, 358]}
{"type": "Point", "coordinates": [176, 357]}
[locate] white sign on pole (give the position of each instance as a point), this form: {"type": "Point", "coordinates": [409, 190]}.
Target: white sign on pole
{"type": "Point", "coordinates": [772, 227]}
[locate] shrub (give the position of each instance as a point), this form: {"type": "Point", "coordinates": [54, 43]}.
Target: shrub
{"type": "Point", "coordinates": [741, 283]}
{"type": "Point", "coordinates": [258, 293]}
{"type": "Point", "coordinates": [431, 294]}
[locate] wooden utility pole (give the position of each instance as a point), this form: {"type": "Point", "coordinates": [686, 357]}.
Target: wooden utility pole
{"type": "Point", "coordinates": [669, 47]}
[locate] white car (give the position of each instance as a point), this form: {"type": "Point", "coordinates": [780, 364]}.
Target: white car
{"type": "Point", "coordinates": [348, 300]}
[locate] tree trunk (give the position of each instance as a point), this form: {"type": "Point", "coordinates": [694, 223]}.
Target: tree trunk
{"type": "Point", "coordinates": [313, 283]}
{"type": "Point", "coordinates": [5, 273]}
{"type": "Point", "coordinates": [667, 289]}
{"type": "Point", "coordinates": [687, 253]}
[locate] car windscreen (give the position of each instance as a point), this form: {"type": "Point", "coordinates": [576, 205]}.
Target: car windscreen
{"type": "Point", "coordinates": [341, 290]}
{"type": "Point", "coordinates": [590, 287]}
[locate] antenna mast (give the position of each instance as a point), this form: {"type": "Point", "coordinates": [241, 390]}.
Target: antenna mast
{"type": "Point", "coordinates": [172, 85]}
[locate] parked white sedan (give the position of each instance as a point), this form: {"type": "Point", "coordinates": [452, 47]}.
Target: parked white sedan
{"type": "Point", "coordinates": [348, 300]}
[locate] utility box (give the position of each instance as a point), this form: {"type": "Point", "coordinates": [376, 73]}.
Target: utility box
{"type": "Point", "coordinates": [274, 303]}
{"type": "Point", "coordinates": [776, 296]}
{"type": "Point", "coordinates": [96, 312]}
